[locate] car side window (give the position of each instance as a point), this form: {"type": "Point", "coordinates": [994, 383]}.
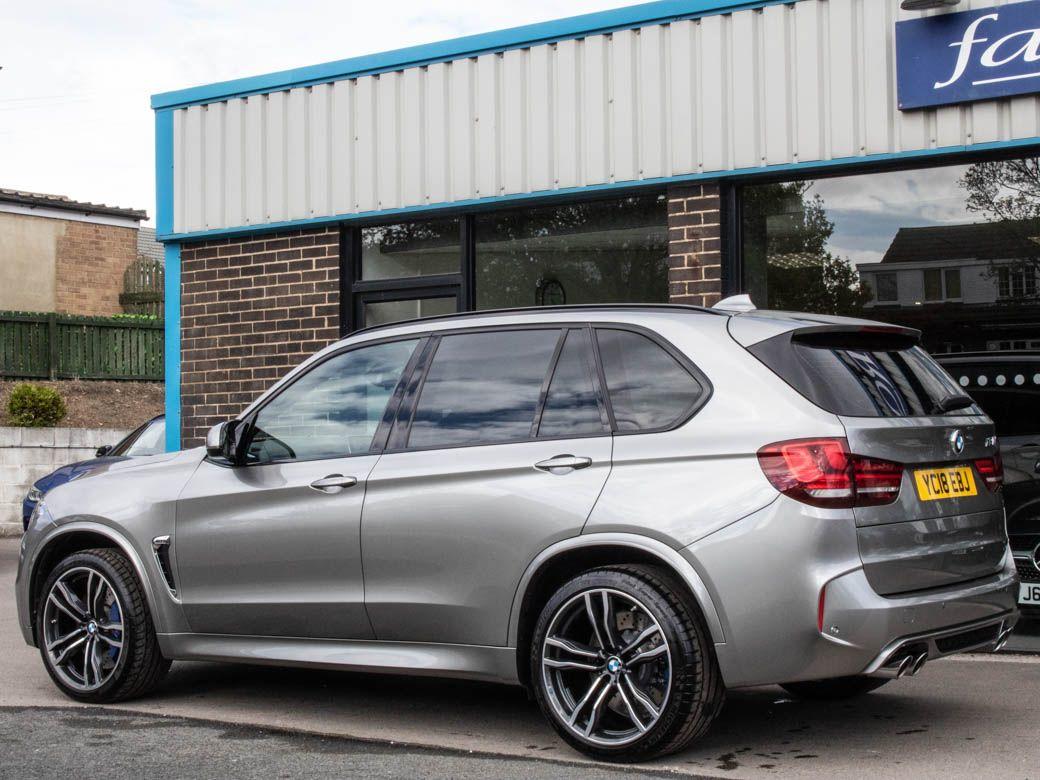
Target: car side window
{"type": "Point", "coordinates": [334, 409]}
{"type": "Point", "coordinates": [648, 388]}
{"type": "Point", "coordinates": [482, 388]}
{"type": "Point", "coordinates": [571, 403]}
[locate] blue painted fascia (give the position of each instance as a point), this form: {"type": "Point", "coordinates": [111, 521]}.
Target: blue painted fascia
{"type": "Point", "coordinates": [545, 196]}
{"type": "Point", "coordinates": [163, 172]}
{"type": "Point", "coordinates": [172, 352]}
{"type": "Point", "coordinates": [469, 46]}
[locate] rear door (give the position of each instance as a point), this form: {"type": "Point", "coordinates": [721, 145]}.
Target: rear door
{"type": "Point", "coordinates": [947, 525]}
{"type": "Point", "coordinates": [501, 448]}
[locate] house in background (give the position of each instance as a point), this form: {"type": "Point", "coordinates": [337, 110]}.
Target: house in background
{"type": "Point", "coordinates": [972, 287]}
{"type": "Point", "coordinates": [66, 256]}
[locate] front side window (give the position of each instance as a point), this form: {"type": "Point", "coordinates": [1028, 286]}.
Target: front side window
{"type": "Point", "coordinates": [483, 388]}
{"type": "Point", "coordinates": [648, 388]}
{"type": "Point", "coordinates": [334, 409]}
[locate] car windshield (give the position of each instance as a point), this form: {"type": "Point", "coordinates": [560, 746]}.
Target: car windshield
{"type": "Point", "coordinates": [149, 439]}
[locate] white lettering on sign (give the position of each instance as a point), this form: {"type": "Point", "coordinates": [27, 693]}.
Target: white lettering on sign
{"type": "Point", "coordinates": [998, 54]}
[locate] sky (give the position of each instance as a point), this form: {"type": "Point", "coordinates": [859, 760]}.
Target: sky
{"type": "Point", "coordinates": [76, 75]}
{"type": "Point", "coordinates": [867, 211]}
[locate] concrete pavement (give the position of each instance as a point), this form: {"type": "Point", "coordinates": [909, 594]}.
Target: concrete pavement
{"type": "Point", "coordinates": [971, 717]}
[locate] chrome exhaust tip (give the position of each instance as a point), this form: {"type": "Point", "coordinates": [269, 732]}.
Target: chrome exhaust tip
{"type": "Point", "coordinates": [1002, 640]}
{"type": "Point", "coordinates": [904, 666]}
{"type": "Point", "coordinates": [918, 664]}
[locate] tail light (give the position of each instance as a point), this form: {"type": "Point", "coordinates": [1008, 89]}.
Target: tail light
{"type": "Point", "coordinates": [822, 472]}
{"type": "Point", "coordinates": [992, 471]}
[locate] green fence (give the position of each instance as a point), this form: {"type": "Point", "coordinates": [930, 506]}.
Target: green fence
{"type": "Point", "coordinates": [59, 346]}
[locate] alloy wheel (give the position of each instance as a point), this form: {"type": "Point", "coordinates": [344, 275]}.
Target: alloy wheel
{"type": "Point", "coordinates": [83, 628]}
{"type": "Point", "coordinates": [606, 666]}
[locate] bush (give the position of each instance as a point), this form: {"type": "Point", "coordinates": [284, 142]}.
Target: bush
{"type": "Point", "coordinates": [35, 406]}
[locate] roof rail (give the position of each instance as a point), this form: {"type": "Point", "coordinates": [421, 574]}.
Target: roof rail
{"type": "Point", "coordinates": [546, 310]}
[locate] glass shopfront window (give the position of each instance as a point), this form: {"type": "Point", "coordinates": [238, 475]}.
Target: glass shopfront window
{"type": "Point", "coordinates": [409, 249]}
{"type": "Point", "coordinates": [597, 252]}
{"type": "Point", "coordinates": [953, 251]}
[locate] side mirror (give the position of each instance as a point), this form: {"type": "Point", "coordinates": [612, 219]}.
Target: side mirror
{"type": "Point", "coordinates": [103, 450]}
{"type": "Point", "coordinates": [224, 440]}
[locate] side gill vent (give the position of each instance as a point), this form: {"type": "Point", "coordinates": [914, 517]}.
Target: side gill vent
{"type": "Point", "coordinates": [161, 548]}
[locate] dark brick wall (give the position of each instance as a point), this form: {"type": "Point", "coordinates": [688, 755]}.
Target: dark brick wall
{"type": "Point", "coordinates": [695, 244]}
{"type": "Point", "coordinates": [251, 309]}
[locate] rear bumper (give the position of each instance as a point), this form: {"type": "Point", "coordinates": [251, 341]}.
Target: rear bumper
{"type": "Point", "coordinates": [765, 574]}
{"type": "Point", "coordinates": [863, 632]}
{"type": "Point", "coordinates": [867, 630]}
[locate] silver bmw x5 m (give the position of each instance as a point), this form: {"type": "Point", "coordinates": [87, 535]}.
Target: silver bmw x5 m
{"type": "Point", "coordinates": [628, 509]}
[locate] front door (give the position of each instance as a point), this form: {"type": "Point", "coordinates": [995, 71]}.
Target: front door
{"type": "Point", "coordinates": [272, 547]}
{"type": "Point", "coordinates": [504, 453]}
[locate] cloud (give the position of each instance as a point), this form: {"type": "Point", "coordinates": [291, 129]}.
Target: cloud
{"type": "Point", "coordinates": [77, 77]}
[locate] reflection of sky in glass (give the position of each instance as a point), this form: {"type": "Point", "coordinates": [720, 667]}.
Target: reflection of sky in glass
{"type": "Point", "coordinates": [867, 211]}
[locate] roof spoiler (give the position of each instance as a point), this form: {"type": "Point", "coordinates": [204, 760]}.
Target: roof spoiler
{"type": "Point", "coordinates": [736, 304]}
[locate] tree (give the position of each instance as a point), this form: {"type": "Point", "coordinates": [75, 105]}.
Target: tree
{"type": "Point", "coordinates": [786, 235]}
{"type": "Point", "coordinates": [1004, 191]}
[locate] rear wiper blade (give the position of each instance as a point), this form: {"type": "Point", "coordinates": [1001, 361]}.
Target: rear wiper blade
{"type": "Point", "coordinates": [952, 403]}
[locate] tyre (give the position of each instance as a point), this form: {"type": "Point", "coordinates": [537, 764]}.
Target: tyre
{"type": "Point", "coordinates": [834, 689]}
{"type": "Point", "coordinates": [95, 631]}
{"type": "Point", "coordinates": [623, 666]}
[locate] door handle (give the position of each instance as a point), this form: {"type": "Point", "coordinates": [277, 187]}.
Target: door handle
{"type": "Point", "coordinates": [563, 464]}
{"type": "Point", "coordinates": [334, 483]}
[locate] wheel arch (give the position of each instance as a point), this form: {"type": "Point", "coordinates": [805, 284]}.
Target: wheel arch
{"type": "Point", "coordinates": [73, 538]}
{"type": "Point", "coordinates": [563, 560]}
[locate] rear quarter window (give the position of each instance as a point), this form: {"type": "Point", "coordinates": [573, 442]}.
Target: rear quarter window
{"type": "Point", "coordinates": [648, 388]}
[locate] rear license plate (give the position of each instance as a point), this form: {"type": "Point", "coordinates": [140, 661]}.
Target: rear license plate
{"type": "Point", "coordinates": [935, 484]}
{"type": "Point", "coordinates": [1029, 593]}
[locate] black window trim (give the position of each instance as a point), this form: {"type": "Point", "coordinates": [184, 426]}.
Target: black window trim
{"type": "Point", "coordinates": [396, 397]}
{"type": "Point", "coordinates": [406, 410]}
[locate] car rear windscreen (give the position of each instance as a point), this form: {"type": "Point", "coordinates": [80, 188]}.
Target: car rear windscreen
{"type": "Point", "coordinates": [861, 375]}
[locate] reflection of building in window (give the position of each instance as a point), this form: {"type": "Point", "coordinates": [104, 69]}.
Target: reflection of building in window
{"type": "Point", "coordinates": [887, 287]}
{"type": "Point", "coordinates": [981, 269]}
{"type": "Point", "coordinates": [1016, 282]}
{"type": "Point", "coordinates": [975, 263]}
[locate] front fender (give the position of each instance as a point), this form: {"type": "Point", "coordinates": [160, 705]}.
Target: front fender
{"type": "Point", "coordinates": [166, 613]}
{"type": "Point", "coordinates": [668, 556]}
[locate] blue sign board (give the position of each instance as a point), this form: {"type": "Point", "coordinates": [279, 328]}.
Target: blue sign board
{"type": "Point", "coordinates": [973, 55]}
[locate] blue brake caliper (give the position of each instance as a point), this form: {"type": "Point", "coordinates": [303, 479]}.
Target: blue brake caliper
{"type": "Point", "coordinates": [114, 617]}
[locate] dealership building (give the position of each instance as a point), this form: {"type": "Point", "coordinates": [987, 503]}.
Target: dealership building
{"type": "Point", "coordinates": [840, 156]}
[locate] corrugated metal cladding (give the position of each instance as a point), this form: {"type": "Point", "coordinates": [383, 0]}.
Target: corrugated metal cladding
{"type": "Point", "coordinates": [805, 81]}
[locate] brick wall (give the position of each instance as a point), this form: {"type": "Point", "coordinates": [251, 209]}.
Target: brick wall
{"type": "Point", "coordinates": [251, 309]}
{"type": "Point", "coordinates": [89, 263]}
{"type": "Point", "coordinates": [695, 244]}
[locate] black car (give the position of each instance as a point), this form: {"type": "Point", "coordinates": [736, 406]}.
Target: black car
{"type": "Point", "coordinates": [1007, 386]}
{"type": "Point", "coordinates": [147, 439]}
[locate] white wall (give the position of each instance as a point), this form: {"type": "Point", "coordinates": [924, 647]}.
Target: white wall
{"type": "Point", "coordinates": [26, 454]}
{"type": "Point", "coordinates": [812, 80]}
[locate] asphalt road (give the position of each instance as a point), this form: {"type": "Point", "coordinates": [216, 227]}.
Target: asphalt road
{"type": "Point", "coordinates": [968, 716]}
